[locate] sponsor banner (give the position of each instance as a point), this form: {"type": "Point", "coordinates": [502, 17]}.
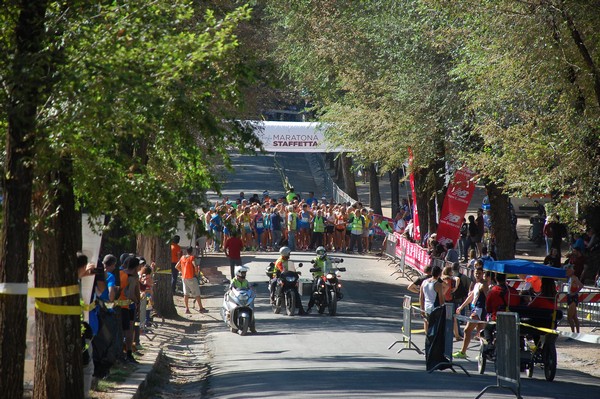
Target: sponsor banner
{"type": "Point", "coordinates": [415, 256]}
{"type": "Point", "coordinates": [294, 137]}
{"type": "Point", "coordinates": [416, 228]}
{"type": "Point", "coordinates": [455, 206]}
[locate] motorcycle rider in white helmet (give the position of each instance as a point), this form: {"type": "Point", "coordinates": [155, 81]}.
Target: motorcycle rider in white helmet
{"type": "Point", "coordinates": [283, 264]}
{"type": "Point", "coordinates": [239, 282]}
{"type": "Point", "coordinates": [323, 263]}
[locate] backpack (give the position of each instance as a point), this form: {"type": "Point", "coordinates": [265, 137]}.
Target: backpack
{"type": "Point", "coordinates": [130, 289]}
{"type": "Point", "coordinates": [462, 291]}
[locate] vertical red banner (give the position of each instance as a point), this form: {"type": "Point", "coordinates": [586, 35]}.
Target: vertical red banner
{"type": "Point", "coordinates": [455, 206]}
{"type": "Point", "coordinates": [416, 228]}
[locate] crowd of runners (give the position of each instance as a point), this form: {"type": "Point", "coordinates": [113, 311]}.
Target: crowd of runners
{"type": "Point", "coordinates": [302, 224]}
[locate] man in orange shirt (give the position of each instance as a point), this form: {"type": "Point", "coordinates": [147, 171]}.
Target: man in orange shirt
{"type": "Point", "coordinates": [175, 255]}
{"type": "Point", "coordinates": [189, 270]}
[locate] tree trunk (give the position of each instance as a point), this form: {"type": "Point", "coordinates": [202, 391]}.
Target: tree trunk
{"type": "Point", "coordinates": [338, 168]}
{"type": "Point", "coordinates": [395, 191]}
{"type": "Point", "coordinates": [116, 239]}
{"type": "Point", "coordinates": [25, 83]}
{"type": "Point", "coordinates": [155, 249]}
{"type": "Point", "coordinates": [501, 225]}
{"type": "Point", "coordinates": [58, 357]}
{"type": "Point", "coordinates": [349, 181]}
{"type": "Point", "coordinates": [374, 194]}
{"type": "Point", "coordinates": [422, 200]}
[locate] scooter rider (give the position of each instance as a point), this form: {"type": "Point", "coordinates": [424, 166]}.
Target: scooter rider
{"type": "Point", "coordinates": [323, 264]}
{"type": "Point", "coordinates": [239, 282]}
{"type": "Point", "coordinates": [282, 264]}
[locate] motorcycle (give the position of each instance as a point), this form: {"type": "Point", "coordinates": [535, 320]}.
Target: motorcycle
{"type": "Point", "coordinates": [328, 288]}
{"type": "Point", "coordinates": [286, 289]}
{"type": "Point", "coordinates": [238, 310]}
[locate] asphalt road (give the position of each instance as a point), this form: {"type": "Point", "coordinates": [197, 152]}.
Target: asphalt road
{"type": "Point", "coordinates": [346, 356]}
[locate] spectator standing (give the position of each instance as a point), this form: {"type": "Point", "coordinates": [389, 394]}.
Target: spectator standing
{"type": "Point", "coordinates": [310, 200]}
{"type": "Point", "coordinates": [318, 229]}
{"type": "Point", "coordinates": [415, 286]}
{"type": "Point", "coordinates": [559, 231]}
{"type": "Point", "coordinates": [358, 224]}
{"type": "Point", "coordinates": [462, 241]}
{"type": "Point", "coordinates": [431, 294]}
{"type": "Point", "coordinates": [189, 270]}
{"type": "Point", "coordinates": [106, 349]}
{"type": "Point", "coordinates": [175, 255]}
{"type": "Point", "coordinates": [233, 249]}
{"type": "Point", "coordinates": [460, 294]}
{"type": "Point", "coordinates": [573, 288]}
{"type": "Point", "coordinates": [577, 259]}
{"type": "Point", "coordinates": [275, 227]}
{"type": "Point", "coordinates": [292, 227]}
{"type": "Point", "coordinates": [216, 226]}
{"type": "Point", "coordinates": [451, 253]}
{"type": "Point", "coordinates": [474, 239]}
{"type": "Point", "coordinates": [480, 227]}
{"type": "Point", "coordinates": [129, 297]}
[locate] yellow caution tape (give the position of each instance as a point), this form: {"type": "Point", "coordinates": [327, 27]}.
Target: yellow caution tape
{"type": "Point", "coordinates": [88, 307]}
{"type": "Point", "coordinates": [166, 271]}
{"type": "Point", "coordinates": [54, 292]}
{"type": "Point", "coordinates": [38, 292]}
{"type": "Point", "coordinates": [57, 309]}
{"type": "Point", "coordinates": [421, 331]}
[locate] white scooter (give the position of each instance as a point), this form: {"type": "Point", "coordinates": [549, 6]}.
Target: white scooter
{"type": "Point", "coordinates": [238, 310]}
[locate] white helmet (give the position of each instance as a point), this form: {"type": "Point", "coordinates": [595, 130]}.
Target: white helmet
{"type": "Point", "coordinates": [285, 251]}
{"type": "Point", "coordinates": [241, 269]}
{"type": "Point", "coordinates": [321, 252]}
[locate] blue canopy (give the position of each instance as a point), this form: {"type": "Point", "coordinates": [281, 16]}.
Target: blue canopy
{"type": "Point", "coordinates": [522, 266]}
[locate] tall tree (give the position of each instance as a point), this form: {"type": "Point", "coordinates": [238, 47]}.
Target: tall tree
{"type": "Point", "coordinates": [24, 78]}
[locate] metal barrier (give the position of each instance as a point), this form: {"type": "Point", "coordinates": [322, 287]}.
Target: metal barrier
{"type": "Point", "coordinates": [406, 328]}
{"type": "Point", "coordinates": [508, 366]}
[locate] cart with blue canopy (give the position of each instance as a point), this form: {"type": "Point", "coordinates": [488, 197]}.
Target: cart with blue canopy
{"type": "Point", "coordinates": [537, 330]}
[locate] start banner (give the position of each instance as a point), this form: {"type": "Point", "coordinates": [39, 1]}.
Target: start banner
{"type": "Point", "coordinates": [294, 137]}
{"type": "Point", "coordinates": [455, 206]}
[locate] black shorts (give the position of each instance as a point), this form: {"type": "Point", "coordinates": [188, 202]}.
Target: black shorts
{"type": "Point", "coordinates": [329, 229]}
{"type": "Point", "coordinates": [573, 298]}
{"type": "Point", "coordinates": [127, 316]}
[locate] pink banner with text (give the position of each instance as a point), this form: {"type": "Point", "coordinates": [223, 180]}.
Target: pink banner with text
{"type": "Point", "coordinates": [455, 206]}
{"type": "Point", "coordinates": [415, 256]}
{"type": "Point", "coordinates": [416, 228]}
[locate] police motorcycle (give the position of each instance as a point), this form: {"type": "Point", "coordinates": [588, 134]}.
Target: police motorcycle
{"type": "Point", "coordinates": [284, 287]}
{"type": "Point", "coordinates": [238, 306]}
{"type": "Point", "coordinates": [326, 287]}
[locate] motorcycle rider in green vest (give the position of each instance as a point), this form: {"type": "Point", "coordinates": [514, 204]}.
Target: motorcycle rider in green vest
{"type": "Point", "coordinates": [323, 263]}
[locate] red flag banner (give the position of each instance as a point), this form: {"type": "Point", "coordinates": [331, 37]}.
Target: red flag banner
{"type": "Point", "coordinates": [416, 229]}
{"type": "Point", "coordinates": [455, 206]}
